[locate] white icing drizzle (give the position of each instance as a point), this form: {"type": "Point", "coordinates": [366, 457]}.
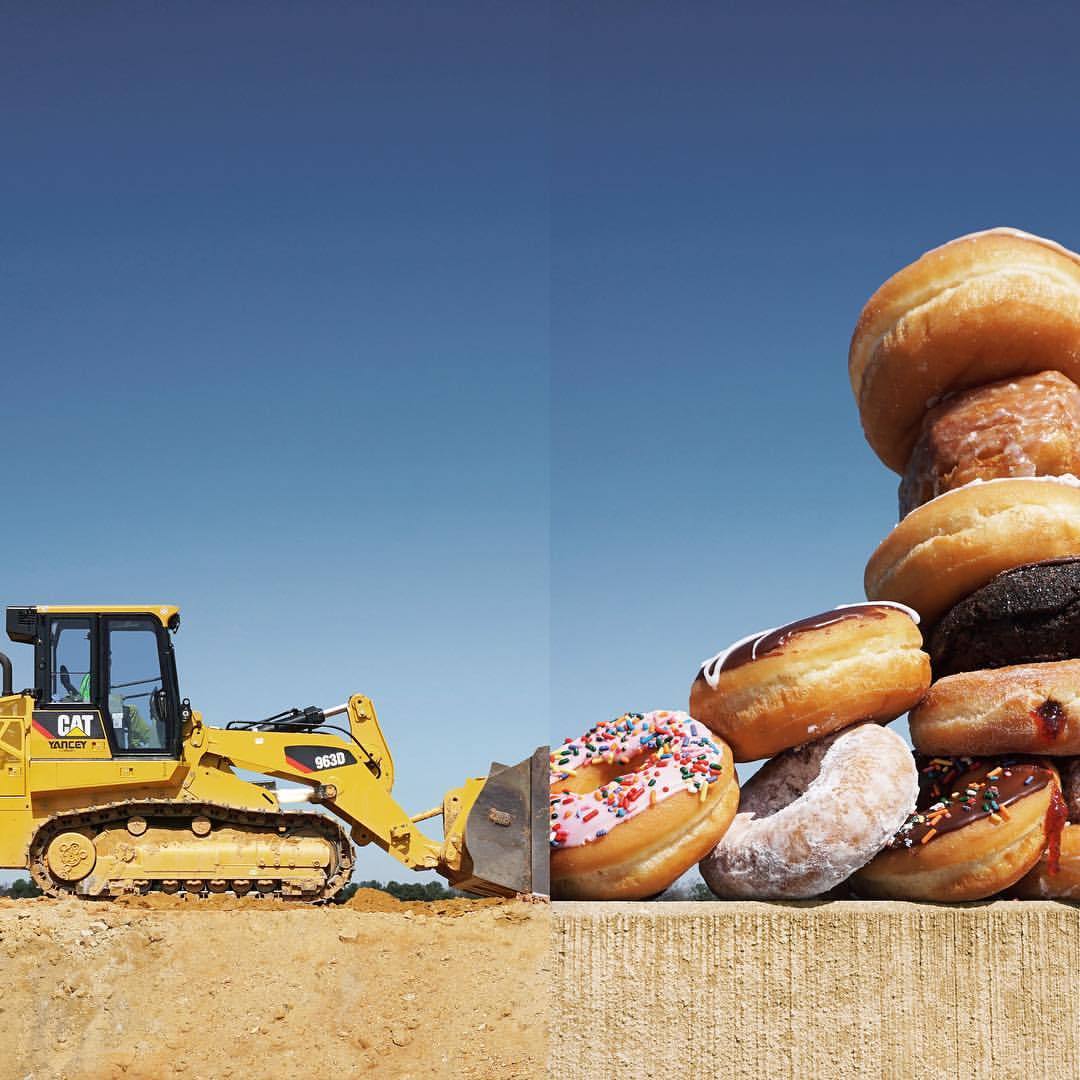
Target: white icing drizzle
{"type": "Point", "coordinates": [711, 668]}
{"type": "Point", "coordinates": [1065, 478]}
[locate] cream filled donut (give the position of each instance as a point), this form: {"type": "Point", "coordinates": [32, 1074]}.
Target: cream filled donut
{"type": "Point", "coordinates": [1024, 709]}
{"type": "Point", "coordinates": [983, 307]}
{"type": "Point", "coordinates": [811, 817]}
{"type": "Point", "coordinates": [979, 826]}
{"type": "Point", "coordinates": [635, 802]}
{"type": "Point", "coordinates": [783, 687]}
{"type": "Point", "coordinates": [954, 544]}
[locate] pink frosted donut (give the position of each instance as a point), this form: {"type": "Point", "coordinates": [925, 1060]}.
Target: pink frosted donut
{"type": "Point", "coordinates": [814, 815]}
{"type": "Point", "coordinates": [635, 802]}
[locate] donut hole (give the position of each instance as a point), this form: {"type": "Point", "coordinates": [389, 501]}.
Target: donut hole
{"type": "Point", "coordinates": [599, 772]}
{"type": "Point", "coordinates": [784, 780]}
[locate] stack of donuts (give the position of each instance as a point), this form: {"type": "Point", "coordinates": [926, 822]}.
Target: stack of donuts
{"type": "Point", "coordinates": [962, 365]}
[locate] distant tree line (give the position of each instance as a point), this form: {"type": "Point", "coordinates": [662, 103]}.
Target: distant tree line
{"type": "Point", "coordinates": [698, 890]}
{"type": "Point", "coordinates": [412, 890]}
{"type": "Point", "coordinates": [24, 888]}
{"type": "Point", "coordinates": [20, 889]}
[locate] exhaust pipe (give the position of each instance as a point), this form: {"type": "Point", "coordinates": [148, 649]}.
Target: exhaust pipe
{"type": "Point", "coordinates": [5, 663]}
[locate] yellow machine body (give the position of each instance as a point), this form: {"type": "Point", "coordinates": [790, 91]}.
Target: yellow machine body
{"type": "Point", "coordinates": [89, 818]}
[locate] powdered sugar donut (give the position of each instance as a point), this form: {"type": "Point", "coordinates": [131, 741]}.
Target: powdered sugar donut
{"type": "Point", "coordinates": [635, 802]}
{"type": "Point", "coordinates": [813, 816]}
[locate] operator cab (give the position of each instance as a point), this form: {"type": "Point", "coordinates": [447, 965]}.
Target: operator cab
{"type": "Point", "coordinates": [117, 663]}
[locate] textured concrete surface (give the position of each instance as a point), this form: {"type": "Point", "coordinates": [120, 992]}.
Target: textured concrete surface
{"type": "Point", "coordinates": [816, 990]}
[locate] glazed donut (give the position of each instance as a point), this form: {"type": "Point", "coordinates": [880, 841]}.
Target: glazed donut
{"type": "Point", "coordinates": [1027, 615]}
{"type": "Point", "coordinates": [987, 306]}
{"type": "Point", "coordinates": [811, 817]}
{"type": "Point", "coordinates": [635, 802]}
{"type": "Point", "coordinates": [1028, 426]}
{"type": "Point", "coordinates": [781, 688]}
{"type": "Point", "coordinates": [1056, 875]}
{"type": "Point", "coordinates": [956, 543]}
{"type": "Point", "coordinates": [1027, 709]}
{"type": "Point", "coordinates": [978, 828]}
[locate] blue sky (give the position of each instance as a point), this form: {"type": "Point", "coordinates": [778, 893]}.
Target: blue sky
{"type": "Point", "coordinates": [728, 190]}
{"type": "Point", "coordinates": [274, 327]}
{"type": "Point", "coordinates": [488, 359]}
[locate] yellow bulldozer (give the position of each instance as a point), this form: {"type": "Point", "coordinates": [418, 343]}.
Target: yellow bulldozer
{"type": "Point", "coordinates": [112, 784]}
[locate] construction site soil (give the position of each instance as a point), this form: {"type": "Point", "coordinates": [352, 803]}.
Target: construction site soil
{"type": "Point", "coordinates": [162, 986]}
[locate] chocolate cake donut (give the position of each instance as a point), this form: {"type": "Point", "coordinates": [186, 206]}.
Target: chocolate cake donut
{"type": "Point", "coordinates": [1026, 615]}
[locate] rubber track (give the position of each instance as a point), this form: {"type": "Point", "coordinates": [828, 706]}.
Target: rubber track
{"type": "Point", "coordinates": [162, 811]}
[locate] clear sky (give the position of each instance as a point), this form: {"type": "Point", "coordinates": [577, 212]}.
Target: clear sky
{"type": "Point", "coordinates": [274, 336]}
{"type": "Point", "coordinates": [728, 190]}
{"type": "Point", "coordinates": [486, 358]}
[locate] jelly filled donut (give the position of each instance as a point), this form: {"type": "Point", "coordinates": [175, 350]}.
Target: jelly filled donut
{"type": "Point", "coordinates": [1027, 709]}
{"type": "Point", "coordinates": [811, 817]}
{"type": "Point", "coordinates": [987, 306]}
{"type": "Point", "coordinates": [978, 828]}
{"type": "Point", "coordinates": [1056, 876]}
{"type": "Point", "coordinates": [954, 544]}
{"type": "Point", "coordinates": [635, 802]}
{"type": "Point", "coordinates": [781, 688]}
{"type": "Point", "coordinates": [1069, 770]}
{"type": "Point", "coordinates": [1029, 426]}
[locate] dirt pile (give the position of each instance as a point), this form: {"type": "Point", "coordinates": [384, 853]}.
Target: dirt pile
{"type": "Point", "coordinates": [377, 900]}
{"type": "Point", "coordinates": [163, 987]}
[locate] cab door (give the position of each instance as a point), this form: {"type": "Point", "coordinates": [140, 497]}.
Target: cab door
{"type": "Point", "coordinates": [137, 689]}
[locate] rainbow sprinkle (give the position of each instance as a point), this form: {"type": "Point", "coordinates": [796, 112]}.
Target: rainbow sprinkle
{"type": "Point", "coordinates": [664, 753]}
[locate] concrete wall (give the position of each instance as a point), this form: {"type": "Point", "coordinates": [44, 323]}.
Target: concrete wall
{"type": "Point", "coordinates": [816, 991]}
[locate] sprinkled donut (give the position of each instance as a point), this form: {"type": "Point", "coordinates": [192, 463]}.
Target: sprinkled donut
{"type": "Point", "coordinates": [635, 802]}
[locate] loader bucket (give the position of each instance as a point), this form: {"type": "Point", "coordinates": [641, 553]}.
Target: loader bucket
{"type": "Point", "coordinates": [506, 832]}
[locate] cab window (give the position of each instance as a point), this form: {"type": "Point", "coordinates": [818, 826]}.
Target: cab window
{"type": "Point", "coordinates": [70, 653]}
{"type": "Point", "coordinates": [137, 702]}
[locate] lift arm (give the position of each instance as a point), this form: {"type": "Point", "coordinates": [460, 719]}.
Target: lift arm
{"type": "Point", "coordinates": [495, 850]}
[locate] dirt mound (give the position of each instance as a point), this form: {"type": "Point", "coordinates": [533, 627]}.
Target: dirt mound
{"type": "Point", "coordinates": [159, 986]}
{"type": "Point", "coordinates": [373, 900]}
{"type": "Point", "coordinates": [377, 900]}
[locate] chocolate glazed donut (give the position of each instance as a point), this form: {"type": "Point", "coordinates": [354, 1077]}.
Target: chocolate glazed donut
{"type": "Point", "coordinates": [979, 826]}
{"type": "Point", "coordinates": [781, 688]}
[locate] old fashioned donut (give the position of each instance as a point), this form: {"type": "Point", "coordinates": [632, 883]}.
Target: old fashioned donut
{"type": "Point", "coordinates": [1028, 426]}
{"type": "Point", "coordinates": [811, 817]}
{"type": "Point", "coordinates": [978, 828]}
{"type": "Point", "coordinates": [783, 687]}
{"type": "Point", "coordinates": [1026, 709]}
{"type": "Point", "coordinates": [1027, 615]}
{"type": "Point", "coordinates": [635, 802]}
{"type": "Point", "coordinates": [956, 543]}
{"type": "Point", "coordinates": [983, 307]}
{"type": "Point", "coordinates": [1056, 876]}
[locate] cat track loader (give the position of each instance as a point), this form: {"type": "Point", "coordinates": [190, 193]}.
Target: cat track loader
{"type": "Point", "coordinates": [111, 783]}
